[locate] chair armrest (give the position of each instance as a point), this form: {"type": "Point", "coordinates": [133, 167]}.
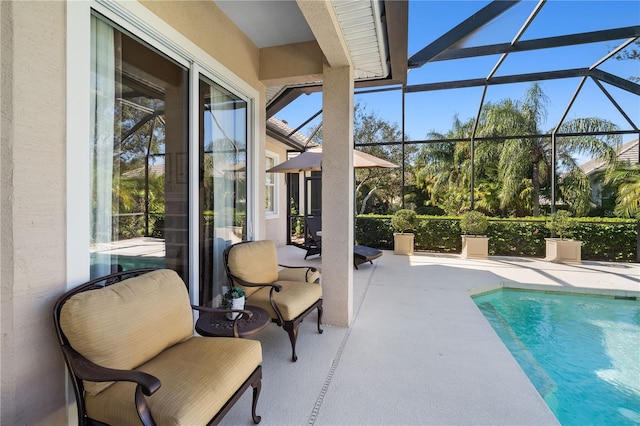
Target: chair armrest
{"type": "Point", "coordinates": [146, 383]}
{"type": "Point", "coordinates": [309, 272]}
{"type": "Point", "coordinates": [275, 286]}
{"type": "Point", "coordinates": [208, 310]}
{"type": "Point", "coordinates": [311, 268]}
{"type": "Point", "coordinates": [87, 370]}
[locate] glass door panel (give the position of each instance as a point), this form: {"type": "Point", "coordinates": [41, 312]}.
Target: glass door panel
{"type": "Point", "coordinates": [223, 182]}
{"type": "Point", "coordinates": [139, 155]}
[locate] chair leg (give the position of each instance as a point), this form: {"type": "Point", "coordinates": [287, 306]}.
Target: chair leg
{"type": "Point", "coordinates": [292, 330]}
{"type": "Point", "coordinates": [256, 393]}
{"type": "Point", "coordinates": [320, 318]}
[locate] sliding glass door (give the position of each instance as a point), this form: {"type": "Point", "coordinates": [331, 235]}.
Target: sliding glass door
{"type": "Point", "coordinates": [141, 213]}
{"type": "Point", "coordinates": [139, 155]}
{"type": "Point", "coordinates": [223, 182]}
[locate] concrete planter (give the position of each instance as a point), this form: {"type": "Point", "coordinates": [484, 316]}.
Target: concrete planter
{"type": "Point", "coordinates": [403, 243]}
{"type": "Point", "coordinates": [475, 247]}
{"type": "Point", "coordinates": [563, 251]}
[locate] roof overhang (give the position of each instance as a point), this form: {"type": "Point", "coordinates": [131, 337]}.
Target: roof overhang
{"type": "Point", "coordinates": [368, 35]}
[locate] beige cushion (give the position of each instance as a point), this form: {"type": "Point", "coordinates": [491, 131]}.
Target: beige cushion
{"type": "Point", "coordinates": [294, 298]}
{"type": "Point", "coordinates": [197, 378]}
{"type": "Point", "coordinates": [298, 274]}
{"type": "Point", "coordinates": [255, 262]}
{"type": "Point", "coordinates": [126, 324]}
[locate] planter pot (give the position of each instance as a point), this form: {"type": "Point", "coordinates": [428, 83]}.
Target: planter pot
{"type": "Point", "coordinates": [403, 243]}
{"type": "Point", "coordinates": [563, 251]}
{"type": "Point", "coordinates": [237, 303]}
{"type": "Point", "coordinates": [475, 247]}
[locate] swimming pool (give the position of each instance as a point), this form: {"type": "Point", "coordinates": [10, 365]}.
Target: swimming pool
{"type": "Point", "coordinates": [582, 353]}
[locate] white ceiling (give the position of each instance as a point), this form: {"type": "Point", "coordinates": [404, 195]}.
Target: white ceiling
{"type": "Point", "coordinates": [268, 22]}
{"type": "Point", "coordinates": [271, 23]}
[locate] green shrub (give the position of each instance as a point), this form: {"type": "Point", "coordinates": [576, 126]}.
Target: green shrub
{"type": "Point", "coordinates": [474, 222]}
{"type": "Point", "coordinates": [404, 220]}
{"type": "Point", "coordinates": [374, 231]}
{"type": "Point", "coordinates": [514, 237]}
{"type": "Point", "coordinates": [438, 233]}
{"type": "Point", "coordinates": [609, 239]}
{"type": "Point", "coordinates": [560, 221]}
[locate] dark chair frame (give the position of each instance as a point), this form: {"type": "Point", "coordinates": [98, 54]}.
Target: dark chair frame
{"type": "Point", "coordinates": [313, 241]}
{"type": "Point", "coordinates": [291, 326]}
{"type": "Point", "coordinates": [81, 368]}
{"type": "Point", "coordinates": [362, 254]}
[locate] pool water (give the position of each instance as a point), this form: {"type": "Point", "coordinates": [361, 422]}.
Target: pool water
{"type": "Point", "coordinates": [582, 353]}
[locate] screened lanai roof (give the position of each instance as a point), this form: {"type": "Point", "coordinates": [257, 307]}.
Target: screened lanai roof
{"type": "Point", "coordinates": [466, 53]}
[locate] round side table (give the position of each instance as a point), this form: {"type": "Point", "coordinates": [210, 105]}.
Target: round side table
{"type": "Point", "coordinates": [217, 325]}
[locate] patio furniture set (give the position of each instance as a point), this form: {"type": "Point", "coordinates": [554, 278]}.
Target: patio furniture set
{"type": "Point", "coordinates": [128, 341]}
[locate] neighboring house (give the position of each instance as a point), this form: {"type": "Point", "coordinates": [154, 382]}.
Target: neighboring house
{"type": "Point", "coordinates": [281, 140]}
{"type": "Point", "coordinates": [89, 88]}
{"type": "Point", "coordinates": [628, 153]}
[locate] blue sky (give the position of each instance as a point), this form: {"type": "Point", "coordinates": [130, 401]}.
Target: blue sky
{"type": "Point", "coordinates": [434, 111]}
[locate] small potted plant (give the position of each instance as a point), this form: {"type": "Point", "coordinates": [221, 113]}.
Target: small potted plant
{"type": "Point", "coordinates": [404, 222]}
{"type": "Point", "coordinates": [475, 244]}
{"type": "Point", "coordinates": [560, 249]}
{"type": "Point", "coordinates": [233, 299]}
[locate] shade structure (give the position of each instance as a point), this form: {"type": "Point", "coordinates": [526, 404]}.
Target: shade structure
{"type": "Point", "coordinates": [312, 161]}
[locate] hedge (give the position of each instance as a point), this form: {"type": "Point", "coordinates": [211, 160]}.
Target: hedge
{"type": "Point", "coordinates": [608, 239]}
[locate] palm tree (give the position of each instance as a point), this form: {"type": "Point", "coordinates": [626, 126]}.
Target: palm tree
{"type": "Point", "coordinates": [443, 168]}
{"type": "Point", "coordinates": [628, 194]}
{"type": "Point", "coordinates": [525, 166]}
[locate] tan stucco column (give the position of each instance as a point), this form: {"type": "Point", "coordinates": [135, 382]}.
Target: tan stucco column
{"type": "Point", "coordinates": [337, 195]}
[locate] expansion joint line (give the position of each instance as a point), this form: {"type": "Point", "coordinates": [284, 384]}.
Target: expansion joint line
{"type": "Point", "coordinates": [336, 360]}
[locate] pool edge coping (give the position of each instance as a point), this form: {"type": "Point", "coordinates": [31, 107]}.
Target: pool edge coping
{"type": "Point", "coordinates": [589, 291]}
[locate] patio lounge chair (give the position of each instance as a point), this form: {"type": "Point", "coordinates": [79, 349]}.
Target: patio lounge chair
{"type": "Point", "coordinates": [128, 343]}
{"type": "Point", "coordinates": [253, 266]}
{"type": "Point", "coordinates": [313, 241]}
{"type": "Point", "coordinates": [362, 254]}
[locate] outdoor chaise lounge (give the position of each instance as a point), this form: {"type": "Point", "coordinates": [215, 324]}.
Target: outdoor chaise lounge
{"type": "Point", "coordinates": [362, 254]}
{"type": "Point", "coordinates": [313, 243]}
{"type": "Point", "coordinates": [288, 295]}
{"type": "Point", "coordinates": [128, 342]}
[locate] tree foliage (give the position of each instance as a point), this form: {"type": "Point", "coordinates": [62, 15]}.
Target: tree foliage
{"type": "Point", "coordinates": [627, 179]}
{"type": "Point", "coordinates": [631, 54]}
{"type": "Point", "coordinates": [513, 176]}
{"type": "Point", "coordinates": [378, 190]}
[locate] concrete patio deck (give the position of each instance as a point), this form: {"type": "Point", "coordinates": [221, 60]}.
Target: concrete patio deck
{"type": "Point", "coordinates": [418, 351]}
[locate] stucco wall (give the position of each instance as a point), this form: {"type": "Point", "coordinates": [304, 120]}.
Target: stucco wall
{"type": "Point", "coordinates": [206, 25]}
{"type": "Point", "coordinates": [32, 172]}
{"type": "Point", "coordinates": [32, 233]}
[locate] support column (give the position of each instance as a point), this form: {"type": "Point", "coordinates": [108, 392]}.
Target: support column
{"type": "Point", "coordinates": [337, 195]}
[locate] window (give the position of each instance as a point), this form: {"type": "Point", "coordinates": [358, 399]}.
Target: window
{"type": "Point", "coordinates": [271, 186]}
{"type": "Point", "coordinates": [139, 156]}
